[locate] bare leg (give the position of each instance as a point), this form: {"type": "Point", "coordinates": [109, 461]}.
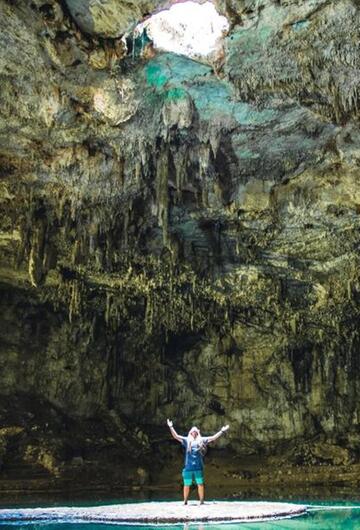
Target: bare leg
{"type": "Point", "coordinates": [201, 492]}
{"type": "Point", "coordinates": [186, 493]}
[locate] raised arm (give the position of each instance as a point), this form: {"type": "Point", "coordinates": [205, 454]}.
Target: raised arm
{"type": "Point", "coordinates": [173, 432]}
{"type": "Point", "coordinates": [218, 434]}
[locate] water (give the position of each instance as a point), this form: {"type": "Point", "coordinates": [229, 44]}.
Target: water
{"type": "Point", "coordinates": [325, 516]}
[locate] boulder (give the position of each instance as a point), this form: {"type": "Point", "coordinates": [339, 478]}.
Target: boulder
{"type": "Point", "coordinates": [108, 18]}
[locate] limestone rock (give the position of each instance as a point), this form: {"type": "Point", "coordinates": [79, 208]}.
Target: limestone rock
{"type": "Point", "coordinates": [108, 18]}
{"type": "Point", "coordinates": [333, 454]}
{"type": "Point", "coordinates": [178, 109]}
{"type": "Point", "coordinates": [114, 101]}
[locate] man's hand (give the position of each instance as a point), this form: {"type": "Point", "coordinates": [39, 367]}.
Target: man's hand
{"type": "Point", "coordinates": [225, 428]}
{"type": "Point", "coordinates": [170, 423]}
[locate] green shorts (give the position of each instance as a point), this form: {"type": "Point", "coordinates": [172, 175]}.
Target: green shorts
{"type": "Point", "coordinates": [189, 476]}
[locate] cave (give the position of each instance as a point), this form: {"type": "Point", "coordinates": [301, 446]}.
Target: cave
{"type": "Point", "coordinates": [179, 238]}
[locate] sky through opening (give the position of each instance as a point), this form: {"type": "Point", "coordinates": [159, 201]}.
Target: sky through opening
{"type": "Point", "coordinates": [187, 28]}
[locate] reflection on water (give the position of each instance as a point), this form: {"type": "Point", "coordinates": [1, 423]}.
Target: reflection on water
{"type": "Point", "coordinates": [326, 520]}
{"type": "Point", "coordinates": [302, 495]}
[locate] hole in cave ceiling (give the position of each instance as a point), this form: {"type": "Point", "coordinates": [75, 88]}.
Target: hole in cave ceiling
{"type": "Point", "coordinates": [187, 28]}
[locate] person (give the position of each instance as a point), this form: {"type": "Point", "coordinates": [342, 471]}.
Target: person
{"type": "Point", "coordinates": [195, 446]}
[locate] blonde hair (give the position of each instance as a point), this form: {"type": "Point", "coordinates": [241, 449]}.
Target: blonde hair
{"type": "Point", "coordinates": [191, 439]}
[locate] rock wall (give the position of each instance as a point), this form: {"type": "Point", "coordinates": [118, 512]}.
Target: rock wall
{"type": "Point", "coordinates": [181, 239]}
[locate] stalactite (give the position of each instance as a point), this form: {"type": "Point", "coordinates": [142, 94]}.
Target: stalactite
{"type": "Point", "coordinates": [126, 228]}
{"type": "Point", "coordinates": [75, 299]}
{"type": "Point", "coordinates": [191, 313]}
{"type": "Point", "coordinates": [180, 161]}
{"type": "Point", "coordinates": [109, 299]}
{"type": "Point", "coordinates": [162, 196]}
{"type": "Point", "coordinates": [143, 153]}
{"type": "Point", "coordinates": [37, 257]}
{"type": "Point", "coordinates": [149, 314]}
